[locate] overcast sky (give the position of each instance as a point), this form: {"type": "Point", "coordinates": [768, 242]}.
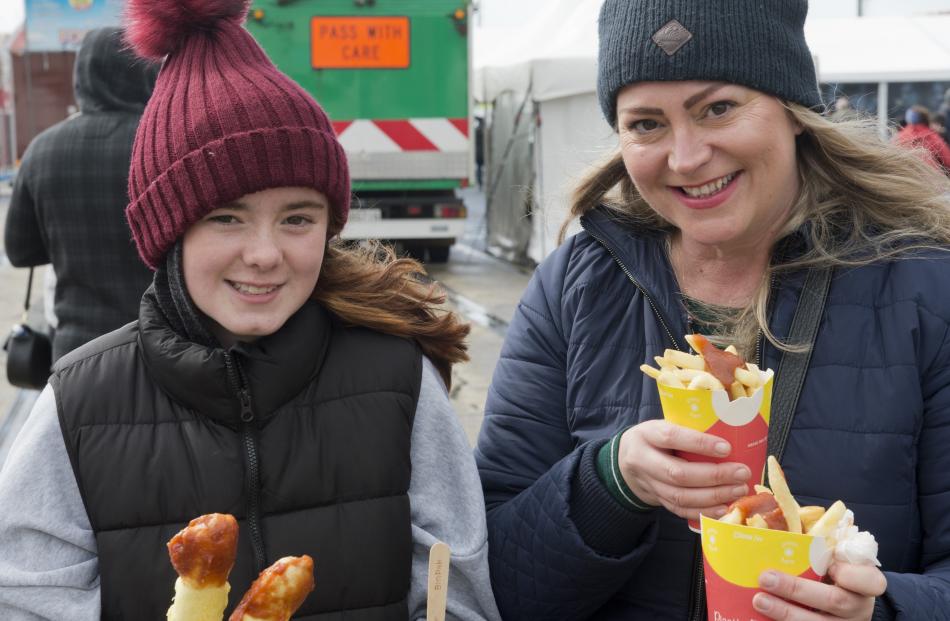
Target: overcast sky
{"type": "Point", "coordinates": [510, 13]}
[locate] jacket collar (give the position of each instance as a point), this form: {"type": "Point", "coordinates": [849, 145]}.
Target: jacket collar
{"type": "Point", "coordinates": [642, 254]}
{"type": "Point", "coordinates": [276, 368]}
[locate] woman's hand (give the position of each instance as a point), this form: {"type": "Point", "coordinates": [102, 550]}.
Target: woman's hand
{"type": "Point", "coordinates": [850, 597]}
{"type": "Point", "coordinates": [685, 488]}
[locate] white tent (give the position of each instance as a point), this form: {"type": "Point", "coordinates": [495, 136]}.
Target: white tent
{"type": "Point", "coordinates": [550, 65]}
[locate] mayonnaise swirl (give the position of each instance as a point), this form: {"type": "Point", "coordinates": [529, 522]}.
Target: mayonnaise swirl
{"type": "Point", "coordinates": [852, 545]}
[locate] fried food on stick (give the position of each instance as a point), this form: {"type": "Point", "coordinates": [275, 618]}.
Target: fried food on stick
{"type": "Point", "coordinates": [203, 554]}
{"type": "Point", "coordinates": [278, 592]}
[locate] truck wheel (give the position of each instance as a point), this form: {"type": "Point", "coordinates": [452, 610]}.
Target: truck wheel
{"type": "Point", "coordinates": [439, 254]}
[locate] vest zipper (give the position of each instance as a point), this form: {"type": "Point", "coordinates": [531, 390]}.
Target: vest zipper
{"type": "Point", "coordinates": [252, 475]}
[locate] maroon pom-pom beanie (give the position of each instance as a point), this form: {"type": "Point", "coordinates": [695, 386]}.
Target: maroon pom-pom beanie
{"type": "Point", "coordinates": [222, 122]}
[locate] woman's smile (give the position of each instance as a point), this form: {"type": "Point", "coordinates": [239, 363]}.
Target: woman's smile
{"type": "Point", "coordinates": [708, 194]}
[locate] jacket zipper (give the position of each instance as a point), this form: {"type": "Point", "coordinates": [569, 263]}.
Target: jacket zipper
{"type": "Point", "coordinates": [697, 599]}
{"type": "Point", "coordinates": [637, 284]}
{"type": "Point", "coordinates": [697, 603]}
{"type": "Point", "coordinates": [252, 476]}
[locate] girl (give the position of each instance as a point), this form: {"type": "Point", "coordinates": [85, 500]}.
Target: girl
{"type": "Point", "coordinates": [272, 374]}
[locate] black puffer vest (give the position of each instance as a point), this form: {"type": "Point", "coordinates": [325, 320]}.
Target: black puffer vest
{"type": "Point", "coordinates": [303, 436]}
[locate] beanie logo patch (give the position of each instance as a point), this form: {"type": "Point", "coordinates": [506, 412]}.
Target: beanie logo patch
{"type": "Point", "coordinates": [671, 37]}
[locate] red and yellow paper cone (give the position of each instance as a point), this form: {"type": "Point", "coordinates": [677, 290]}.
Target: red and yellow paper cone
{"type": "Point", "coordinates": [735, 556]}
{"type": "Point", "coordinates": [743, 423]}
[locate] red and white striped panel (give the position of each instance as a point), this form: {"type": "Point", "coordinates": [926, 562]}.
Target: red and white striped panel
{"type": "Point", "coordinates": [377, 136]}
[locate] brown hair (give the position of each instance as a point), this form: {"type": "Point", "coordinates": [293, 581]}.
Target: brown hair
{"type": "Point", "coordinates": [367, 285]}
{"type": "Point", "coordinates": [866, 199]}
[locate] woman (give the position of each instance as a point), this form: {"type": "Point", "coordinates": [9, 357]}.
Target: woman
{"type": "Point", "coordinates": [272, 374]}
{"type": "Point", "coordinates": [727, 186]}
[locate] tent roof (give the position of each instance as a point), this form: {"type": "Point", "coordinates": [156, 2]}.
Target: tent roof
{"type": "Point", "coordinates": [557, 53]}
{"type": "Point", "coordinates": [881, 49]}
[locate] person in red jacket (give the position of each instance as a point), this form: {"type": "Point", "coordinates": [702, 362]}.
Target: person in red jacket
{"type": "Point", "coordinates": [917, 134]}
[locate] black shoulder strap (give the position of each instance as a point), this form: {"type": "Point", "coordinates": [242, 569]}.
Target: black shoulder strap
{"type": "Point", "coordinates": [29, 291]}
{"type": "Point", "coordinates": [791, 370]}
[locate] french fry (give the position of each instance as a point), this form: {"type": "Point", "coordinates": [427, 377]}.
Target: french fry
{"type": "Point", "coordinates": [783, 496]}
{"type": "Point", "coordinates": [669, 378]}
{"type": "Point", "coordinates": [687, 375]}
{"type": "Point", "coordinates": [707, 381]}
{"type": "Point", "coordinates": [748, 378]}
{"type": "Point", "coordinates": [757, 521]}
{"type": "Point", "coordinates": [733, 517]}
{"type": "Point", "coordinates": [809, 516]}
{"type": "Point", "coordinates": [684, 360]}
{"type": "Point", "coordinates": [737, 390]}
{"type": "Point", "coordinates": [692, 371]}
{"type": "Point", "coordinates": [827, 523]}
{"type": "Point", "coordinates": [759, 511]}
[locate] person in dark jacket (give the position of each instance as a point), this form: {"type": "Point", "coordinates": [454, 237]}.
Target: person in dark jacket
{"type": "Point", "coordinates": [70, 192]}
{"type": "Point", "coordinates": [727, 187]}
{"type": "Point", "coordinates": [273, 373]}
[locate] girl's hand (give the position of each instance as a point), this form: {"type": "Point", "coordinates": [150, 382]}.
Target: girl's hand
{"type": "Point", "coordinates": [685, 488]}
{"type": "Point", "coordinates": [798, 599]}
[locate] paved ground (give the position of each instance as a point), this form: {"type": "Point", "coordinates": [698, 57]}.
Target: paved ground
{"type": "Point", "coordinates": [485, 290]}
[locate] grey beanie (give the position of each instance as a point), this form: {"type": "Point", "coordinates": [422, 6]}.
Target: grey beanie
{"type": "Point", "coordinates": [755, 43]}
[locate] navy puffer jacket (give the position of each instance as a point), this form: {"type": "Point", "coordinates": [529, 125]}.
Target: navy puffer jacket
{"type": "Point", "coordinates": [872, 427]}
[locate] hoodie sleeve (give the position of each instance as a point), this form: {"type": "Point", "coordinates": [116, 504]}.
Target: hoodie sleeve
{"type": "Point", "coordinates": [23, 238]}
{"type": "Point", "coordinates": [49, 566]}
{"type": "Point", "coordinates": [447, 506]}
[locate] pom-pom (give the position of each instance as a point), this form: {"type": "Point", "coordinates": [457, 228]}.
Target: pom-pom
{"type": "Point", "coordinates": [156, 28]}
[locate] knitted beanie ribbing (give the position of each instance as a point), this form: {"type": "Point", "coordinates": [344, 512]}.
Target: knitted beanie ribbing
{"type": "Point", "coordinates": [755, 43]}
{"type": "Point", "coordinates": [224, 122]}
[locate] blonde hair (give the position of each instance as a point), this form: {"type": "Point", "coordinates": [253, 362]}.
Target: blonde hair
{"type": "Point", "coordinates": [367, 285]}
{"type": "Point", "coordinates": [865, 199]}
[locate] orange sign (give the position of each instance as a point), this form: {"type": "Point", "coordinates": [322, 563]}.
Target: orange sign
{"type": "Point", "coordinates": [359, 42]}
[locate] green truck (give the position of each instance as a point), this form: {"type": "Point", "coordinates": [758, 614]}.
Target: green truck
{"type": "Point", "coordinates": [394, 76]}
